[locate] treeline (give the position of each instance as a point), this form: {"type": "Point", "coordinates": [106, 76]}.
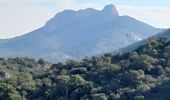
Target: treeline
{"type": "Point", "coordinates": [143, 74]}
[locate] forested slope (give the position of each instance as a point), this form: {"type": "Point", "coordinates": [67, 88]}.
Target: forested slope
{"type": "Point", "coordinates": [138, 75]}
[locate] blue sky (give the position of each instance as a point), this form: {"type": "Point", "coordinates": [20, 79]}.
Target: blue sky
{"type": "Point", "coordinates": [19, 17]}
{"type": "Point", "coordinates": [130, 2]}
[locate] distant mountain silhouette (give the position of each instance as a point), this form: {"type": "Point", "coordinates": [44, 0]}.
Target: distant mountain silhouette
{"type": "Point", "coordinates": [75, 34]}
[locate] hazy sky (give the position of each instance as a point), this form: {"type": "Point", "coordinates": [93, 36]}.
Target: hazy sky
{"type": "Point", "coordinates": [18, 17]}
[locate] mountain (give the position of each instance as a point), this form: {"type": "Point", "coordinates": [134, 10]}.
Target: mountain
{"type": "Point", "coordinates": [163, 34]}
{"type": "Point", "coordinates": [75, 34]}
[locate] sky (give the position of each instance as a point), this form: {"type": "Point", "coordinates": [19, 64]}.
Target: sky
{"type": "Point", "coordinates": [18, 17]}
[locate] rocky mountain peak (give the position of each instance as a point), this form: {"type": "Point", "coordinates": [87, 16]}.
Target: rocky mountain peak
{"type": "Point", "coordinates": [111, 10]}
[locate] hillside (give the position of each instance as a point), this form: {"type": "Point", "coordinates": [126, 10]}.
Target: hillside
{"type": "Point", "coordinates": [165, 33]}
{"type": "Point", "coordinates": [138, 75]}
{"type": "Point", "coordinates": [76, 34]}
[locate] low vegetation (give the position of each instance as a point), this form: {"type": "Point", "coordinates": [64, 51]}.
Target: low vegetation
{"type": "Point", "coordinates": [138, 75]}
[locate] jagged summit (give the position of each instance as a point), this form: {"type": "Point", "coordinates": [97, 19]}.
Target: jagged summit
{"type": "Point", "coordinates": [111, 9]}
{"type": "Point", "coordinates": [67, 17]}
{"type": "Point", "coordinates": [74, 34]}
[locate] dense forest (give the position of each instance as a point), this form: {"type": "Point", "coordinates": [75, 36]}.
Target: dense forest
{"type": "Point", "coordinates": [142, 74]}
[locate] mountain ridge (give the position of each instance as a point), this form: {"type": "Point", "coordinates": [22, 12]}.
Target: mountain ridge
{"type": "Point", "coordinates": [163, 34]}
{"type": "Point", "coordinates": [76, 34]}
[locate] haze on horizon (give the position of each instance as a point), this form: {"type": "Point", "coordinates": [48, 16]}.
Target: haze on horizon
{"type": "Point", "coordinates": [18, 17]}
